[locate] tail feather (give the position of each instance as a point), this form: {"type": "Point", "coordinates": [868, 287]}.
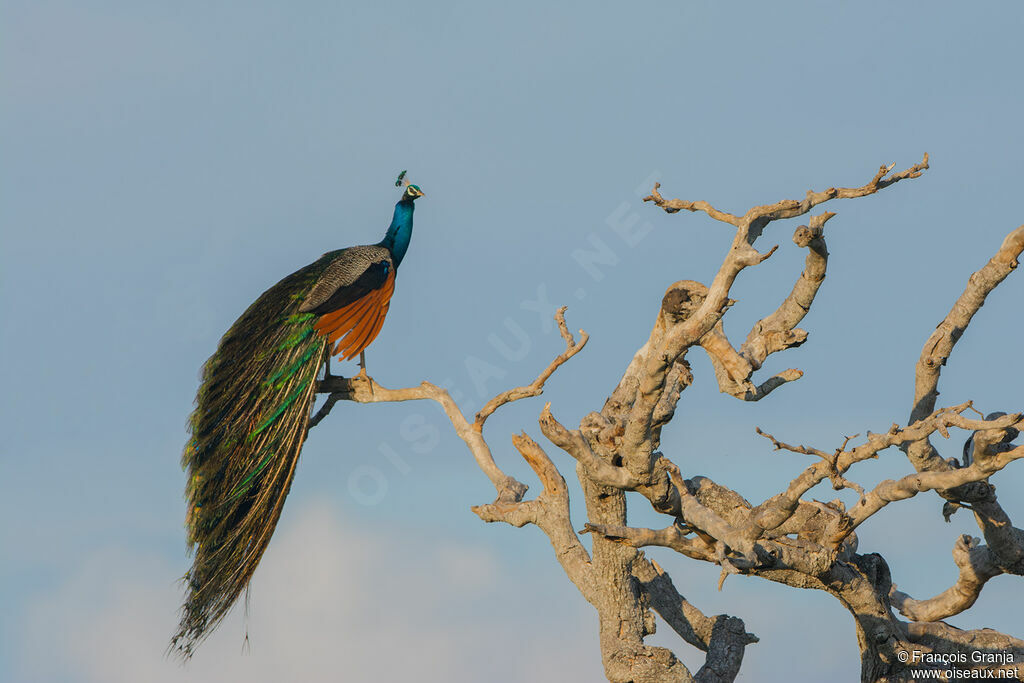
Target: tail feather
{"type": "Point", "coordinates": [248, 428]}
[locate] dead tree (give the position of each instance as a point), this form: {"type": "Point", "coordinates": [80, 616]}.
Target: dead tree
{"type": "Point", "coordinates": [786, 538]}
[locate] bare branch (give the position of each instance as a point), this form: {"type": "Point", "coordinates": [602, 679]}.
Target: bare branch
{"type": "Point", "coordinates": [777, 331]}
{"type": "Point", "coordinates": [725, 653]}
{"type": "Point", "coordinates": [673, 537]}
{"type": "Point", "coordinates": [746, 556]}
{"type": "Point", "coordinates": [549, 511]}
{"type": "Point", "coordinates": [540, 463]}
{"type": "Point", "coordinates": [771, 384]}
{"type": "Point", "coordinates": [325, 409]}
{"type": "Point", "coordinates": [976, 567]}
{"type": "Point", "coordinates": [670, 339]}
{"type": "Point", "coordinates": [1004, 540]}
{"type": "Point", "coordinates": [831, 459]}
{"type": "Point", "coordinates": [724, 638]}
{"type": "Point", "coordinates": [573, 443]}
{"type": "Point", "coordinates": [773, 333]}
{"type": "Point", "coordinates": [674, 205]}
{"type": "Point", "coordinates": [665, 349]}
{"type": "Point", "coordinates": [909, 486]}
{"type": "Point", "coordinates": [803, 450]}
{"type": "Point", "coordinates": [941, 342]}
{"type": "Point", "coordinates": [366, 390]}
{"type": "Point", "coordinates": [707, 520]}
{"type": "Point", "coordinates": [733, 370]}
{"type": "Point", "coordinates": [776, 510]}
{"type": "Point", "coordinates": [535, 388]}
{"type": "Point", "coordinates": [679, 377]}
{"type": "Point", "coordinates": [791, 208]}
{"type": "Point", "coordinates": [689, 622]}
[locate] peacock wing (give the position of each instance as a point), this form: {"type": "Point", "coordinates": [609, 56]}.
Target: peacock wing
{"type": "Point", "coordinates": [351, 275]}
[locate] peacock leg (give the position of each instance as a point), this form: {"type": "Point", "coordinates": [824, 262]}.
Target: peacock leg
{"type": "Point", "coordinates": [362, 371]}
{"type": "Point", "coordinates": [327, 368]}
{"type": "Point", "coordinates": [362, 365]}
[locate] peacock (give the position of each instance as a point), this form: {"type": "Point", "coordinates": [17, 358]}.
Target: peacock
{"type": "Point", "coordinates": [253, 408]}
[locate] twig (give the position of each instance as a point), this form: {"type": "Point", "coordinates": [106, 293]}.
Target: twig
{"type": "Point", "coordinates": [674, 205]}
{"type": "Point", "coordinates": [535, 388]}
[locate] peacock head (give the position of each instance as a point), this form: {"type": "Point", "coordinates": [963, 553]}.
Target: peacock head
{"type": "Point", "coordinates": [411, 191]}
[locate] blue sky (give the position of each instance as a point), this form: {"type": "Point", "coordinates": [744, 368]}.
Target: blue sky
{"type": "Point", "coordinates": [163, 163]}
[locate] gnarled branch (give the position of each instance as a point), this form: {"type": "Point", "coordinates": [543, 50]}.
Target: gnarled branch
{"type": "Point", "coordinates": [976, 567]}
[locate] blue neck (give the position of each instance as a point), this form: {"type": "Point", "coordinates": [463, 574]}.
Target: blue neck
{"type": "Point", "coordinates": [400, 231]}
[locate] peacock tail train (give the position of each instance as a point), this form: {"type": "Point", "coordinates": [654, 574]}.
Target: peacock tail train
{"type": "Point", "coordinates": [247, 430]}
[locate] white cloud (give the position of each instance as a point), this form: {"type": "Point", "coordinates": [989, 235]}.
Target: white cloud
{"type": "Point", "coordinates": [328, 603]}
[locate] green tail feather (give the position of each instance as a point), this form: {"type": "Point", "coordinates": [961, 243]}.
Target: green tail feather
{"type": "Point", "coordinates": [248, 428]}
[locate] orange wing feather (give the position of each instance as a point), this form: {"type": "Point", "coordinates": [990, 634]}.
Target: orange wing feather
{"type": "Point", "coordinates": [357, 324]}
{"type": "Point", "coordinates": [379, 323]}
{"type": "Point", "coordinates": [334, 325]}
{"type": "Point", "coordinates": [360, 323]}
{"type": "Point", "coordinates": [361, 338]}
